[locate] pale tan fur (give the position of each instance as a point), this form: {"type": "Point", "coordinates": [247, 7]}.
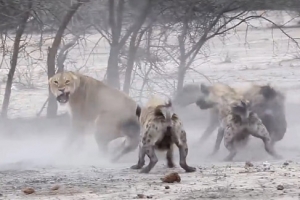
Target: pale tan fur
{"type": "Point", "coordinates": [91, 101]}
{"type": "Point", "coordinates": [224, 98]}
{"type": "Point", "coordinates": [147, 113]}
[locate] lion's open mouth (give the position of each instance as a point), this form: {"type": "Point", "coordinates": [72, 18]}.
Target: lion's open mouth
{"type": "Point", "coordinates": [63, 98]}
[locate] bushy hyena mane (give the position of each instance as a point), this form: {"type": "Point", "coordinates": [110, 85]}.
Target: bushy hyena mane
{"type": "Point", "coordinates": [205, 97]}
{"type": "Point", "coordinates": [266, 101]}
{"type": "Point", "coordinates": [161, 129]}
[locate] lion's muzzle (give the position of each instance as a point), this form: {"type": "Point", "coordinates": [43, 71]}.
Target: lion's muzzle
{"type": "Point", "coordinates": [63, 97]}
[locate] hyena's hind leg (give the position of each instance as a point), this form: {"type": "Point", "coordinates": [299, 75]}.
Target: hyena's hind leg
{"type": "Point", "coordinates": [147, 148]}
{"type": "Point", "coordinates": [141, 159]}
{"type": "Point", "coordinates": [181, 143]}
{"type": "Point", "coordinates": [259, 130]}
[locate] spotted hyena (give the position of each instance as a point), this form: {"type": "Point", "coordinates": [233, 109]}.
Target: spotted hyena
{"type": "Point", "coordinates": [266, 101]}
{"type": "Point", "coordinates": [161, 130]}
{"type": "Point", "coordinates": [237, 123]}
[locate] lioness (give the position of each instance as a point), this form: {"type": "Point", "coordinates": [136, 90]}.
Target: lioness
{"type": "Point", "coordinates": [92, 102]}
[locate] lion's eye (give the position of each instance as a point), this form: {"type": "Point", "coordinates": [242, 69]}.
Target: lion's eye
{"type": "Point", "coordinates": [67, 82]}
{"type": "Point", "coordinates": [56, 82]}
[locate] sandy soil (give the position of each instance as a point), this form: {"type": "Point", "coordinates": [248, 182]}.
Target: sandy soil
{"type": "Point", "coordinates": [31, 154]}
{"type": "Point", "coordinates": [38, 162]}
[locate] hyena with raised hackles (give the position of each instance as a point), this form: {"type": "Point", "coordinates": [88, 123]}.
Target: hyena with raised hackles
{"type": "Point", "coordinates": [237, 122]}
{"type": "Point", "coordinates": [161, 129]}
{"type": "Point", "coordinates": [266, 101]}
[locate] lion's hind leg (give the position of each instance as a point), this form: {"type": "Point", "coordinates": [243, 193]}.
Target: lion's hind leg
{"type": "Point", "coordinates": [131, 130]}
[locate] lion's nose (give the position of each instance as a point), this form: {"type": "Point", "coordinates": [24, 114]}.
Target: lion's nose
{"type": "Point", "coordinates": [61, 89]}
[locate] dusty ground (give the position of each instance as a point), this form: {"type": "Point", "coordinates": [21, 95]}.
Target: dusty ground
{"type": "Point", "coordinates": [38, 162]}
{"type": "Point", "coordinates": [31, 155]}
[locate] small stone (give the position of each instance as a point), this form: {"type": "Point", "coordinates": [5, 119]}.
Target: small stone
{"type": "Point", "coordinates": [248, 164]}
{"type": "Point", "coordinates": [171, 178]}
{"type": "Point", "coordinates": [280, 187]}
{"type": "Point", "coordinates": [285, 163]}
{"type": "Point", "coordinates": [141, 196]}
{"type": "Point", "coordinates": [56, 187]}
{"type": "Point", "coordinates": [28, 190]}
{"type": "Point", "coordinates": [167, 187]}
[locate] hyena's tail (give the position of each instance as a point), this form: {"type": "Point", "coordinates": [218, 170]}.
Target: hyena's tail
{"type": "Point", "coordinates": [166, 111]}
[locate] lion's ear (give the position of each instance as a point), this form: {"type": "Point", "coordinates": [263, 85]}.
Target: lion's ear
{"type": "Point", "coordinates": [73, 75]}
{"type": "Point", "coordinates": [49, 80]}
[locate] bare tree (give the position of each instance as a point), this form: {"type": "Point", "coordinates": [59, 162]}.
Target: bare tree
{"type": "Point", "coordinates": [197, 23]}
{"type": "Point", "coordinates": [118, 32]}
{"type": "Point", "coordinates": [14, 60]}
{"type": "Point", "coordinates": [134, 44]}
{"type": "Point", "coordinates": [52, 52]}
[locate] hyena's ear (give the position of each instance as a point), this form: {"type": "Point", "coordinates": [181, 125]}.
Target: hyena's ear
{"type": "Point", "coordinates": [204, 88]}
{"type": "Point", "coordinates": [268, 92]}
{"type": "Point", "coordinates": [169, 103]}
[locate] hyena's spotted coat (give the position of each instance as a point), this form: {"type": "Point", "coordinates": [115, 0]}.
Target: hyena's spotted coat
{"type": "Point", "coordinates": [238, 122]}
{"type": "Point", "coordinates": [161, 129]}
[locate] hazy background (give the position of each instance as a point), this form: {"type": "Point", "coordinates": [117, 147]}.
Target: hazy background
{"type": "Point", "coordinates": [252, 47]}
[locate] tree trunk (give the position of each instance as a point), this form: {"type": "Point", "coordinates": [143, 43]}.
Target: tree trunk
{"type": "Point", "coordinates": [131, 57]}
{"type": "Point", "coordinates": [181, 75]}
{"type": "Point", "coordinates": [130, 62]}
{"type": "Point", "coordinates": [52, 51]}
{"type": "Point", "coordinates": [113, 77]}
{"type": "Point", "coordinates": [14, 60]}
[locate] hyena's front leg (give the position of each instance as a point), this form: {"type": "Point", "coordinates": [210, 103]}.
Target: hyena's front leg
{"type": "Point", "coordinates": [259, 130]}
{"type": "Point", "coordinates": [229, 135]}
{"type": "Point", "coordinates": [181, 143]}
{"type": "Point", "coordinates": [213, 124]}
{"type": "Point", "coordinates": [218, 141]}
